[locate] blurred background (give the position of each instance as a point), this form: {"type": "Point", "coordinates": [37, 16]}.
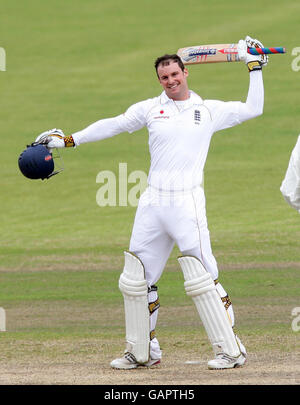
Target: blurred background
{"type": "Point", "coordinates": [71, 63]}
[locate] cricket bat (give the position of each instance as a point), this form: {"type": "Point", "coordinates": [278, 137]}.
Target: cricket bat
{"type": "Point", "coordinates": [220, 53]}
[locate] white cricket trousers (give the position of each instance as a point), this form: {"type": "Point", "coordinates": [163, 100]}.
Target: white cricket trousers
{"type": "Point", "coordinates": [163, 219]}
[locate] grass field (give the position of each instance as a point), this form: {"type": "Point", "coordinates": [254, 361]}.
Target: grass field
{"type": "Point", "coordinates": [71, 63]}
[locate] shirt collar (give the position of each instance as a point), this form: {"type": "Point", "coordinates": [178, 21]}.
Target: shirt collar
{"type": "Point", "coordinates": [194, 98]}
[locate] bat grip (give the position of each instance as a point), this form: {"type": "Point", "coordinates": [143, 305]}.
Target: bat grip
{"type": "Point", "coordinates": [265, 51]}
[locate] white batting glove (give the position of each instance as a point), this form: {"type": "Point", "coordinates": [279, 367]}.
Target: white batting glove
{"type": "Point", "coordinates": [55, 138]}
{"type": "Point", "coordinates": [253, 62]}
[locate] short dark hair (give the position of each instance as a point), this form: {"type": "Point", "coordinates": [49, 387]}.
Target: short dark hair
{"type": "Point", "coordinates": [166, 59]}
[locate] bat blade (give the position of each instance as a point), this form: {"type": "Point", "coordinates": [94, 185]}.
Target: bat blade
{"type": "Point", "coordinates": [220, 53]}
{"type": "Point", "coordinates": [228, 50]}
{"type": "Point", "coordinates": [208, 54]}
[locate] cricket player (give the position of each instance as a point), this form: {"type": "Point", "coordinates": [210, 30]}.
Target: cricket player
{"type": "Point", "coordinates": [172, 208]}
{"type": "Point", "coordinates": [290, 187]}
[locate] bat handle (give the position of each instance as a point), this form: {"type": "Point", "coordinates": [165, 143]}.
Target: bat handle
{"type": "Point", "coordinates": [265, 51]}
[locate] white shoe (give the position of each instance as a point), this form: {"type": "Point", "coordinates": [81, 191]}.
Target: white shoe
{"type": "Point", "coordinates": [223, 361]}
{"type": "Point", "coordinates": [128, 362]}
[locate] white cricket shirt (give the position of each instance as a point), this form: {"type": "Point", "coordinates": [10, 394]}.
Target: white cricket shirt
{"type": "Point", "coordinates": [290, 187]}
{"type": "Point", "coordinates": [179, 132]}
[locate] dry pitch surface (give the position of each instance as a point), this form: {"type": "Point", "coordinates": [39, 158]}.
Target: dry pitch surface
{"type": "Point", "coordinates": [269, 368]}
{"type": "Point", "coordinates": [272, 360]}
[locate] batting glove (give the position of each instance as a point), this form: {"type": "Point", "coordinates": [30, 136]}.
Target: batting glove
{"type": "Point", "coordinates": [55, 138]}
{"type": "Point", "coordinates": [253, 62]}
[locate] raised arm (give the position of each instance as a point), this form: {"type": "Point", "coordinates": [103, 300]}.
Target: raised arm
{"type": "Point", "coordinates": [255, 101]}
{"type": "Point", "coordinates": [230, 113]}
{"type": "Point", "coordinates": [254, 105]}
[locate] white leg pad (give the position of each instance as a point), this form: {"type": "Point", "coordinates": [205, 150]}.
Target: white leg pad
{"type": "Point", "coordinates": [134, 288]}
{"type": "Point", "coordinates": [200, 286]}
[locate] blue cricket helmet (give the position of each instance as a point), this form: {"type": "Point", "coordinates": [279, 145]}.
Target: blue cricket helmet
{"type": "Point", "coordinates": [36, 162]}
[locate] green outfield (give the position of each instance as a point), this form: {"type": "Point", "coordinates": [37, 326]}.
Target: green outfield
{"type": "Point", "coordinates": [71, 63]}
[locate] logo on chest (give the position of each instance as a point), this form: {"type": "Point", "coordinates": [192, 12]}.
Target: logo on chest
{"type": "Point", "coordinates": [197, 117]}
{"type": "Point", "coordinates": [162, 115]}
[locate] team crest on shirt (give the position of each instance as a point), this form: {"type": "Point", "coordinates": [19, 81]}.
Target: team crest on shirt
{"type": "Point", "coordinates": [197, 117]}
